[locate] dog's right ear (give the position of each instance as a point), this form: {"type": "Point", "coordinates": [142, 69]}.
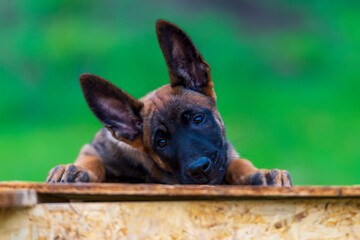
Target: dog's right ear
{"type": "Point", "coordinates": [186, 65]}
{"type": "Point", "coordinates": [116, 109]}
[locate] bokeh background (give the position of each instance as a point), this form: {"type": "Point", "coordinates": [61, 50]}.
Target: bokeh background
{"type": "Point", "coordinates": [286, 75]}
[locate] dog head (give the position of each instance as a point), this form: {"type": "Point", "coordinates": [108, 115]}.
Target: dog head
{"type": "Point", "coordinates": [177, 125]}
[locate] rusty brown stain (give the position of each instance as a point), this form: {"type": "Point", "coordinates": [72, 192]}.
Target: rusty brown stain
{"type": "Point", "coordinates": [301, 215]}
{"type": "Point", "coordinates": [326, 206]}
{"type": "Point", "coordinates": [278, 225]}
{"type": "Point", "coordinates": [340, 192]}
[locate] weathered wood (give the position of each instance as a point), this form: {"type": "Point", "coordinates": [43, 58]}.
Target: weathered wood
{"type": "Point", "coordinates": [240, 219]}
{"type": "Point", "coordinates": [128, 192]}
{"type": "Point", "coordinates": [137, 211]}
{"type": "Point", "coordinates": [18, 198]}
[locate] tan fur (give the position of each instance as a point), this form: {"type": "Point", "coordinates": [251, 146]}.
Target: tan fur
{"type": "Point", "coordinates": [239, 170]}
{"type": "Point", "coordinates": [93, 165]}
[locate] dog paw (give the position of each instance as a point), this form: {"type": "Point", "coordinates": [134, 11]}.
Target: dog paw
{"type": "Point", "coordinates": [68, 173]}
{"type": "Point", "coordinates": [274, 177]}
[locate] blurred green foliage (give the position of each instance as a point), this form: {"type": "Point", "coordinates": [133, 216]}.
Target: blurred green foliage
{"type": "Point", "coordinates": [286, 77]}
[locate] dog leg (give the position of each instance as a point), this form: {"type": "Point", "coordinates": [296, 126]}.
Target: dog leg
{"type": "Point", "coordinates": [88, 169]}
{"type": "Point", "coordinates": [242, 172]}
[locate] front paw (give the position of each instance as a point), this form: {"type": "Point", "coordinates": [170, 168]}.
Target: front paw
{"type": "Point", "coordinates": [274, 177]}
{"type": "Point", "coordinates": [68, 173]}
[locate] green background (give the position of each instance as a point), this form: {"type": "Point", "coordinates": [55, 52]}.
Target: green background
{"type": "Point", "coordinates": [286, 75]}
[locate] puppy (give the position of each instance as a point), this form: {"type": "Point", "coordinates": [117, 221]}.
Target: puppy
{"type": "Point", "coordinates": [173, 135]}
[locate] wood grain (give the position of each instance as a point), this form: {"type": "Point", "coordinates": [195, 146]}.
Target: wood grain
{"type": "Point", "coordinates": [188, 220]}
{"type": "Point", "coordinates": [138, 211]}
{"type": "Point", "coordinates": [117, 192]}
{"type": "Point", "coordinates": [18, 198]}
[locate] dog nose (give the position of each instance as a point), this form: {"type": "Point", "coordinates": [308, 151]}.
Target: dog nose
{"type": "Point", "coordinates": [200, 167]}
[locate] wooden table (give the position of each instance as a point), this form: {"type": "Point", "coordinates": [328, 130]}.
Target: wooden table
{"type": "Point", "coordinates": [146, 211]}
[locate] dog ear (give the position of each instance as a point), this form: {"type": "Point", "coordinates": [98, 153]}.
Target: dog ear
{"type": "Point", "coordinates": [116, 109]}
{"type": "Point", "coordinates": [186, 65]}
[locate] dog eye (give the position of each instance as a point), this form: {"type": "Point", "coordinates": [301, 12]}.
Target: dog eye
{"type": "Point", "coordinates": [198, 119]}
{"type": "Point", "coordinates": [161, 143]}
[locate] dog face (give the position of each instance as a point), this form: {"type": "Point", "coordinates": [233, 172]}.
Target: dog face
{"type": "Point", "coordinates": [177, 125]}
{"type": "Point", "coordinates": [183, 133]}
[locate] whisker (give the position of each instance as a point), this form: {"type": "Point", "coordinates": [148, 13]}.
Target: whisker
{"type": "Point", "coordinates": [236, 141]}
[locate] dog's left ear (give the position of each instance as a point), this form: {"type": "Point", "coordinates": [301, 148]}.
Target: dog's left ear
{"type": "Point", "coordinates": [116, 109]}
{"type": "Point", "coordinates": [186, 65]}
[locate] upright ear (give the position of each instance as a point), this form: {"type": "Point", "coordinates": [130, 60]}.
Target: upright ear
{"type": "Point", "coordinates": [117, 110]}
{"type": "Point", "coordinates": [186, 65]}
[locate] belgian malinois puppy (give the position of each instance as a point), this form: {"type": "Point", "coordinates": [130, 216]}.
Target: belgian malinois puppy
{"type": "Point", "coordinates": [173, 135]}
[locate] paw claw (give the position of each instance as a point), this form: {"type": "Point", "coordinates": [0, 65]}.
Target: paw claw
{"type": "Point", "coordinates": [67, 173]}
{"type": "Point", "coordinates": [274, 177]}
{"type": "Point", "coordinates": [286, 179]}
{"type": "Point", "coordinates": [83, 177]}
{"type": "Point", "coordinates": [257, 179]}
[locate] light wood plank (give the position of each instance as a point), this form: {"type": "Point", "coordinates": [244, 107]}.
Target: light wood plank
{"type": "Point", "coordinates": [18, 198]}
{"type": "Point", "coordinates": [239, 219]}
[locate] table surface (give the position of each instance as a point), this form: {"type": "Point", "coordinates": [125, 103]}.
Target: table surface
{"type": "Point", "coordinates": [46, 192]}
{"type": "Point", "coordinates": [143, 211]}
